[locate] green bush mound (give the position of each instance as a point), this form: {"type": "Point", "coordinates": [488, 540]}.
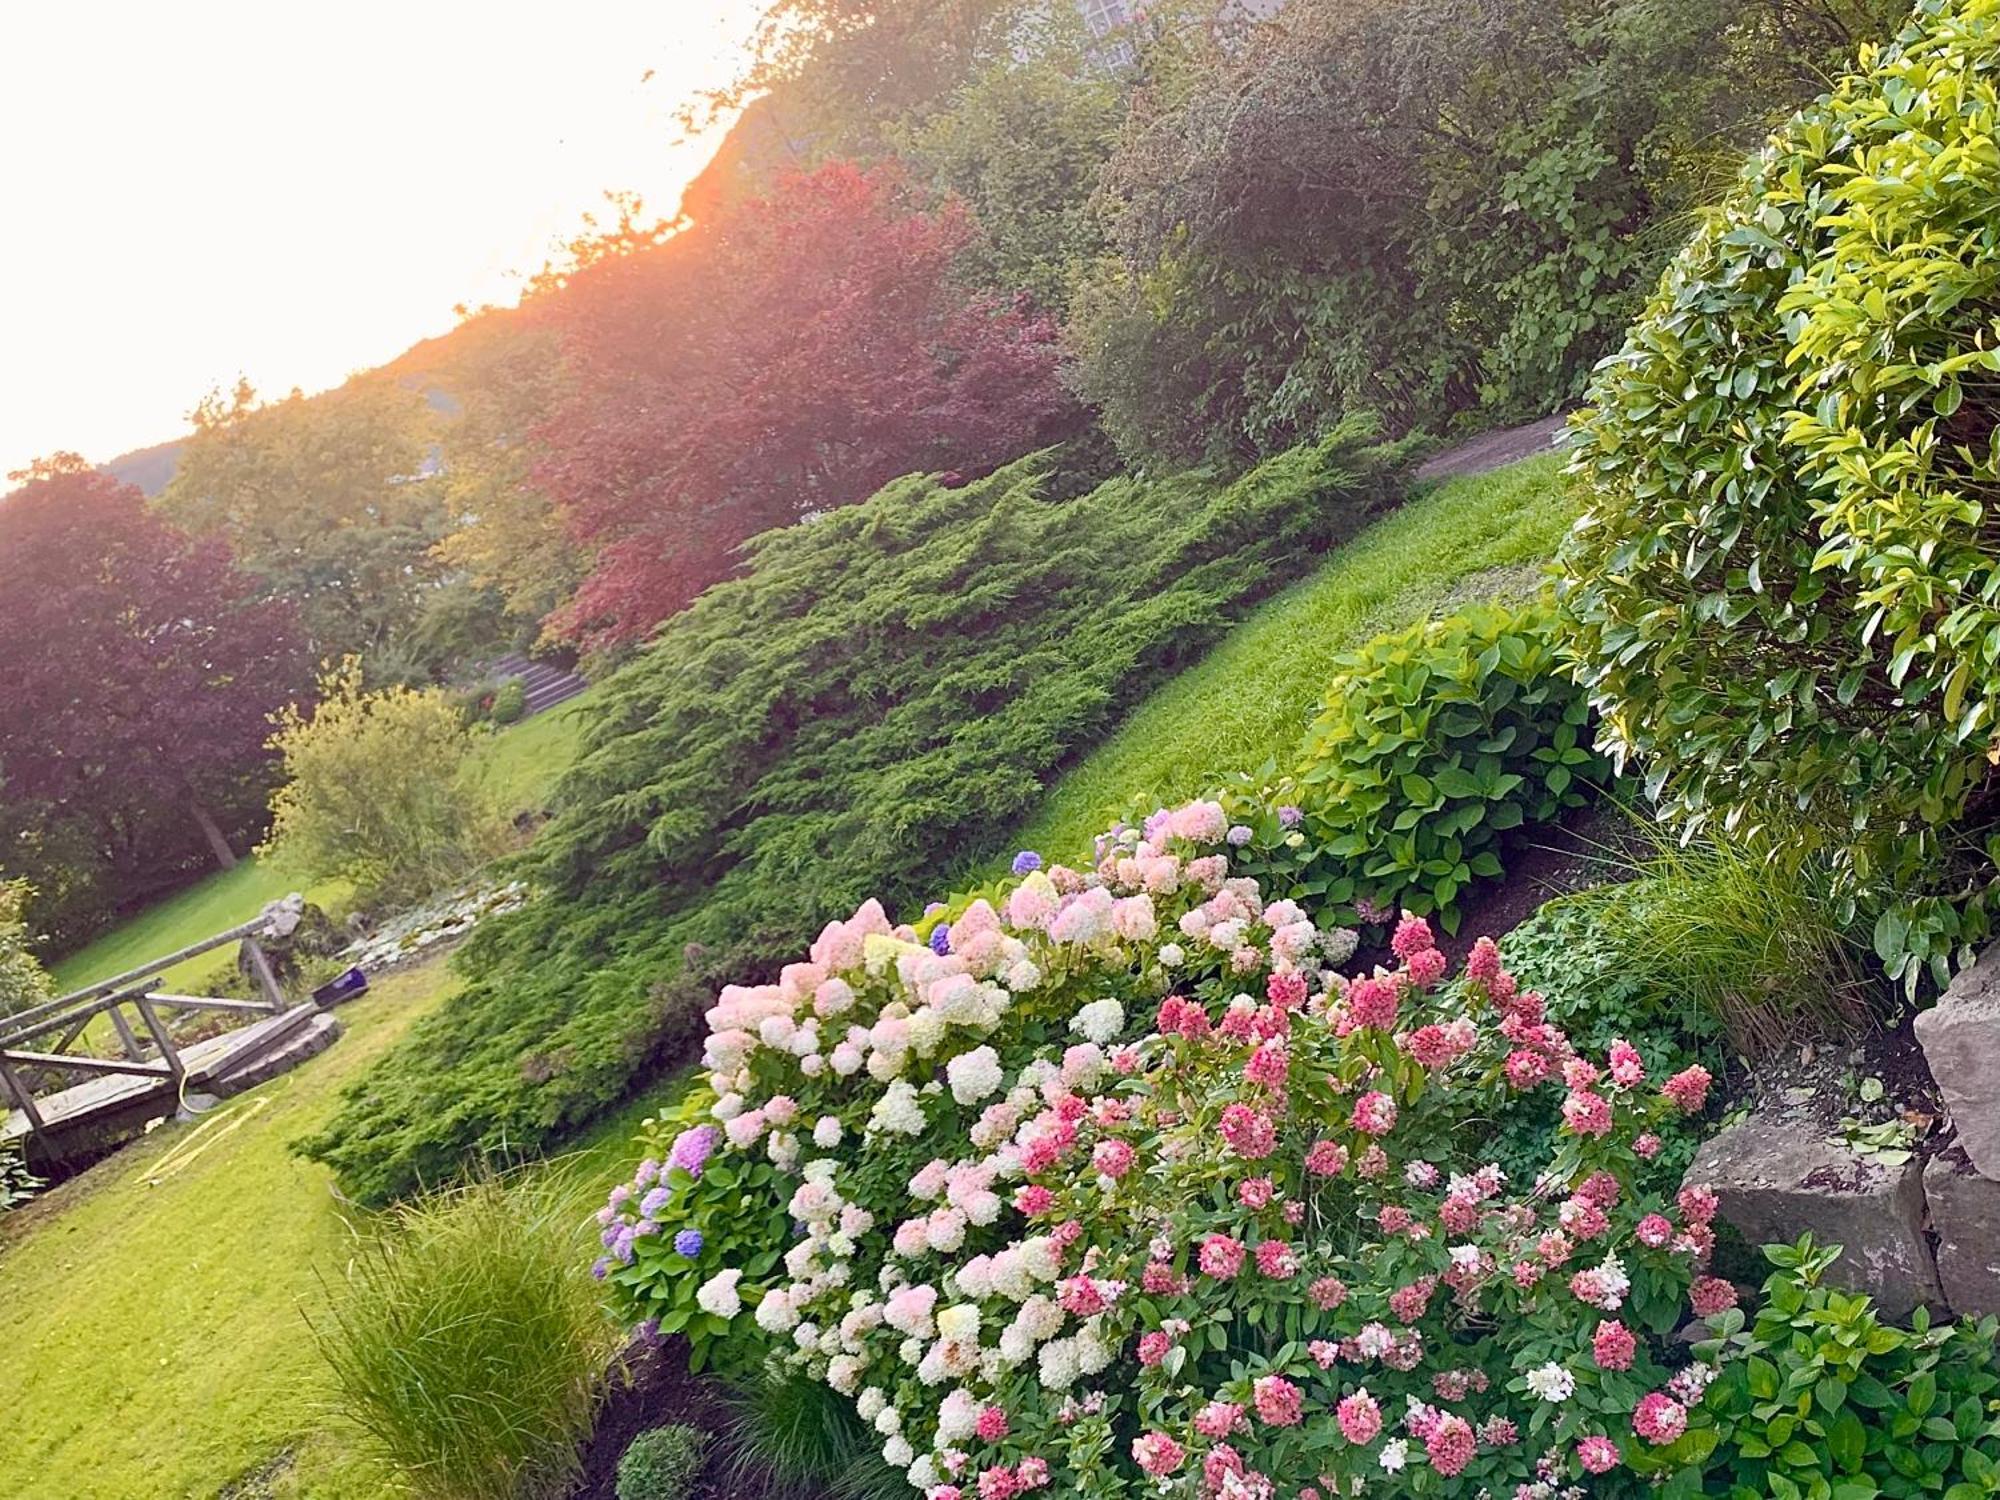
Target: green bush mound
{"type": "Point", "coordinates": [662, 1464]}
{"type": "Point", "coordinates": [1783, 598]}
{"type": "Point", "coordinates": [1434, 745]}
{"type": "Point", "coordinates": [880, 696]}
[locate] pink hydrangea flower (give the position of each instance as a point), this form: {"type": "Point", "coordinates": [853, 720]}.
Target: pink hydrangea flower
{"type": "Point", "coordinates": [1374, 1113]}
{"type": "Point", "coordinates": [1255, 1192]}
{"type": "Point", "coordinates": [1711, 1295]}
{"type": "Point", "coordinates": [1249, 1132]}
{"type": "Point", "coordinates": [1613, 1346]}
{"type": "Point", "coordinates": [1276, 1260]}
{"type": "Point", "coordinates": [1688, 1088]}
{"type": "Point", "coordinates": [1658, 1418]}
{"type": "Point", "coordinates": [992, 1424]}
{"type": "Point", "coordinates": [1279, 1403]}
{"type": "Point", "coordinates": [1326, 1159]}
{"type": "Point", "coordinates": [1597, 1454]}
{"type": "Point", "coordinates": [1655, 1231]}
{"type": "Point", "coordinates": [1359, 1417]}
{"type": "Point", "coordinates": [1157, 1454]}
{"type": "Point", "coordinates": [1372, 1002]}
{"type": "Point", "coordinates": [1113, 1158]}
{"type": "Point", "coordinates": [1412, 936]}
{"type": "Point", "coordinates": [1218, 1419]}
{"type": "Point", "coordinates": [1153, 1347]}
{"type": "Point", "coordinates": [1587, 1113]}
{"type": "Point", "coordinates": [1220, 1256]}
{"type": "Point", "coordinates": [1327, 1293]}
{"type": "Point", "coordinates": [1450, 1445]}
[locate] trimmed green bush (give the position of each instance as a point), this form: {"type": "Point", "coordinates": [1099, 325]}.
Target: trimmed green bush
{"type": "Point", "coordinates": [380, 790]}
{"type": "Point", "coordinates": [662, 1464]}
{"type": "Point", "coordinates": [1783, 597]}
{"type": "Point", "coordinates": [1434, 744]}
{"type": "Point", "coordinates": [467, 1345]}
{"type": "Point", "coordinates": [880, 696]}
{"type": "Point", "coordinates": [509, 703]}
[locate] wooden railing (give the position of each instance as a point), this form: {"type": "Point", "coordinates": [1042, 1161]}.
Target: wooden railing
{"type": "Point", "coordinates": [71, 1014]}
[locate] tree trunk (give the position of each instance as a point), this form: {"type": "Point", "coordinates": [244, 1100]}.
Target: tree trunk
{"type": "Point", "coordinates": [224, 855]}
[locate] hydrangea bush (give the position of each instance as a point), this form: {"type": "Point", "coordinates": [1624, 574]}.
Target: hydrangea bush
{"type": "Point", "coordinates": [1120, 1186]}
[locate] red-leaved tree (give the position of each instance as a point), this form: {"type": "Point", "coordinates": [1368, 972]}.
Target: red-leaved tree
{"type": "Point", "coordinates": [137, 671]}
{"type": "Point", "coordinates": [795, 354]}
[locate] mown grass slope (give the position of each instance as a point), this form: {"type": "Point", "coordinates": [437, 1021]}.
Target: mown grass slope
{"type": "Point", "coordinates": [1249, 699]}
{"type": "Point", "coordinates": [156, 1308]}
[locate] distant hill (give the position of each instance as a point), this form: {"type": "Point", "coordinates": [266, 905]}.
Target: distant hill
{"type": "Point", "coordinates": [148, 468]}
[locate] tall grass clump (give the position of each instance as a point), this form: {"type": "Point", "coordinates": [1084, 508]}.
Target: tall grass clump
{"type": "Point", "coordinates": [806, 1438]}
{"type": "Point", "coordinates": [467, 1345]}
{"type": "Point", "coordinates": [1747, 932]}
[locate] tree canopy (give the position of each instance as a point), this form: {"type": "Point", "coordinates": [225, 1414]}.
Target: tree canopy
{"type": "Point", "coordinates": [140, 667]}
{"type": "Point", "coordinates": [787, 359]}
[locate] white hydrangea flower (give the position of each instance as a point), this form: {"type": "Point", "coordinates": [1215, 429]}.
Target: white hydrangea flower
{"type": "Point", "coordinates": [718, 1295]}
{"type": "Point", "coordinates": [1552, 1382]}
{"type": "Point", "coordinates": [1099, 1021]}
{"type": "Point", "coordinates": [974, 1075]}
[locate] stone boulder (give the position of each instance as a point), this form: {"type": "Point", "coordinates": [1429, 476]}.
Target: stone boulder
{"type": "Point", "coordinates": [1778, 1177]}
{"type": "Point", "coordinates": [1960, 1036]}
{"type": "Point", "coordinates": [1965, 1212]}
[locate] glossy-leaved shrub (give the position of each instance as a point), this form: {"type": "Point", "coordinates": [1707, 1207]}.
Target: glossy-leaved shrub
{"type": "Point", "coordinates": [1783, 599]}
{"type": "Point", "coordinates": [1434, 746]}
{"type": "Point", "coordinates": [880, 696]}
{"type": "Point", "coordinates": [1819, 1396]}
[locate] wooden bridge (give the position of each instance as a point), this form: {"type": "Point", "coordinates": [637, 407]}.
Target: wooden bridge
{"type": "Point", "coordinates": [151, 1075]}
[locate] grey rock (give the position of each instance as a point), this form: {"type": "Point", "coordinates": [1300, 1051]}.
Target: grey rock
{"type": "Point", "coordinates": [1779, 1178]}
{"type": "Point", "coordinates": [1965, 1212]}
{"type": "Point", "coordinates": [1960, 1036]}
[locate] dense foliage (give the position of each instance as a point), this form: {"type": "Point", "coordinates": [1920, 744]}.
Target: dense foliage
{"type": "Point", "coordinates": [23, 981]}
{"type": "Point", "coordinates": [1434, 746]}
{"type": "Point", "coordinates": [1780, 599]}
{"type": "Point", "coordinates": [1123, 1179]}
{"type": "Point", "coordinates": [791, 357]}
{"type": "Point", "coordinates": [378, 791]}
{"type": "Point", "coordinates": [1819, 1397]}
{"type": "Point", "coordinates": [1419, 207]}
{"type": "Point", "coordinates": [139, 665]}
{"type": "Point", "coordinates": [465, 1348]}
{"type": "Point", "coordinates": [327, 503]}
{"type": "Point", "coordinates": [879, 695]}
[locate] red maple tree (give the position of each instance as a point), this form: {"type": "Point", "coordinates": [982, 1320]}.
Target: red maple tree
{"type": "Point", "coordinates": [793, 355]}
{"type": "Point", "coordinates": [138, 668]}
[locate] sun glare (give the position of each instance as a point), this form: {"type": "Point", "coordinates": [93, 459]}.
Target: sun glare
{"type": "Point", "coordinates": [292, 194]}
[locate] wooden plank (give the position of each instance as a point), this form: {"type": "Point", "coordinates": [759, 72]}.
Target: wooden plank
{"type": "Point", "coordinates": [79, 1064]}
{"type": "Point", "coordinates": [14, 1030]}
{"type": "Point", "coordinates": [208, 1002]}
{"type": "Point", "coordinates": [125, 1037]}
{"type": "Point", "coordinates": [161, 1037]}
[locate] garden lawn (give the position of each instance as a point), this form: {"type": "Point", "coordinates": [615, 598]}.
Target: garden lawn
{"type": "Point", "coordinates": [521, 763]}
{"type": "Point", "coordinates": [155, 1308]}
{"type": "Point", "coordinates": [1249, 700]}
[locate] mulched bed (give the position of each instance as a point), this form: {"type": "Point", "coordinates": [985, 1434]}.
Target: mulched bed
{"type": "Point", "coordinates": [658, 1391]}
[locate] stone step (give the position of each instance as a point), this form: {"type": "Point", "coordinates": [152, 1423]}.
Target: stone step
{"type": "Point", "coordinates": [309, 1040]}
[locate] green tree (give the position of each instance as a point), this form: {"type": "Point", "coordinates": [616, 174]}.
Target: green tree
{"type": "Point", "coordinates": [379, 790]}
{"type": "Point", "coordinates": [326, 501]}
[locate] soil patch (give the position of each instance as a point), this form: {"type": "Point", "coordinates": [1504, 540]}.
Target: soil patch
{"type": "Point", "coordinates": [657, 1391]}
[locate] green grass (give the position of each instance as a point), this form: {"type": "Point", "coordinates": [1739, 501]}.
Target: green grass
{"type": "Point", "coordinates": [154, 1308]}
{"type": "Point", "coordinates": [1250, 699]}
{"type": "Point", "coordinates": [521, 763]}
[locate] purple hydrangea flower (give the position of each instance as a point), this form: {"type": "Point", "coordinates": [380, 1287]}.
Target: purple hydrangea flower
{"type": "Point", "coordinates": [653, 1202]}
{"type": "Point", "coordinates": [692, 1148]}
{"type": "Point", "coordinates": [1240, 835]}
{"type": "Point", "coordinates": [1026, 862]}
{"type": "Point", "coordinates": [648, 1331]}
{"type": "Point", "coordinates": [941, 939]}
{"type": "Point", "coordinates": [1290, 817]}
{"type": "Point", "coordinates": [600, 1269]}
{"type": "Point", "coordinates": [688, 1242]}
{"type": "Point", "coordinates": [645, 1227]}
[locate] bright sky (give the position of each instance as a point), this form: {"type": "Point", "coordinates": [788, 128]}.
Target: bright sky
{"type": "Point", "coordinates": [295, 192]}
